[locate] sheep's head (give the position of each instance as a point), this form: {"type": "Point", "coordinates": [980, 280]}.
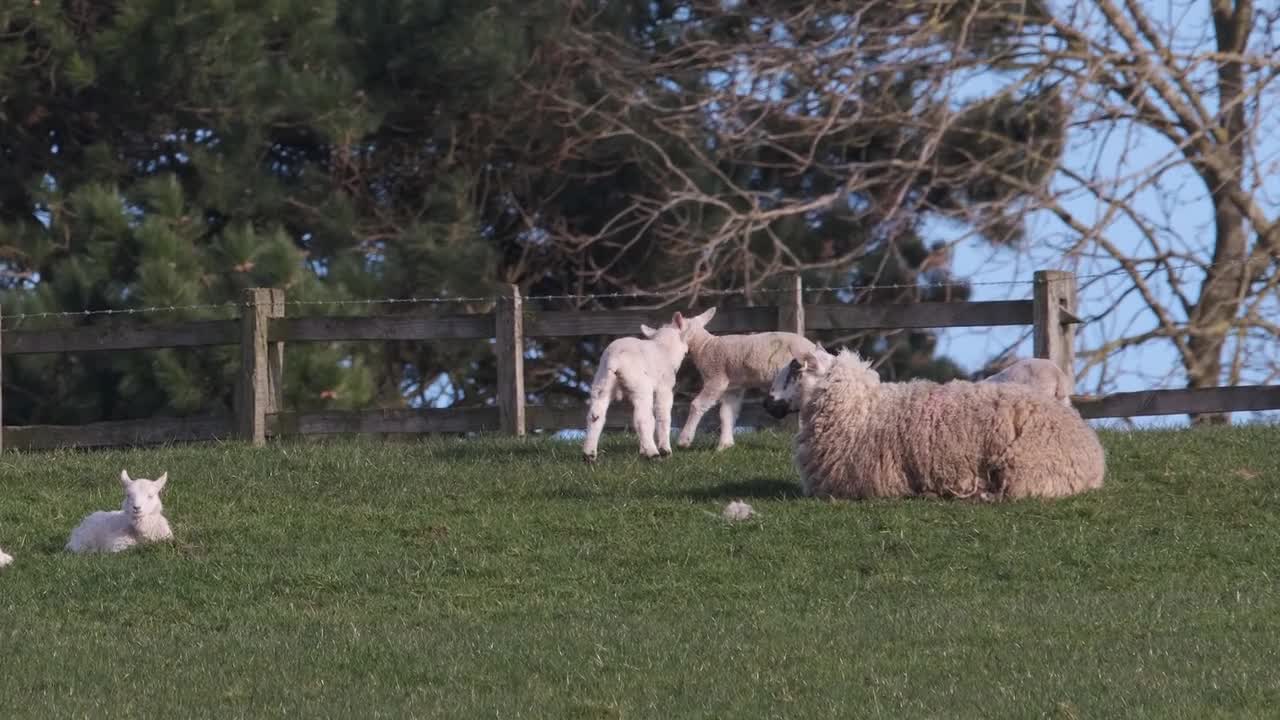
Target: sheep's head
{"type": "Point", "coordinates": [142, 496]}
{"type": "Point", "coordinates": [793, 384]}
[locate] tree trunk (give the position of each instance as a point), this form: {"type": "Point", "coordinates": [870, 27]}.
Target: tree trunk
{"type": "Point", "coordinates": [1218, 303]}
{"type": "Point", "coordinates": [1225, 282]}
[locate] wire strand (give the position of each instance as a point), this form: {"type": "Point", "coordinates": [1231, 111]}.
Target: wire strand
{"type": "Point", "coordinates": [462, 299]}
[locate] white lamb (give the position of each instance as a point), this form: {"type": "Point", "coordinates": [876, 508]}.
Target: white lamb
{"type": "Point", "coordinates": [730, 365]}
{"type": "Point", "coordinates": [863, 438]}
{"type": "Point", "coordinates": [644, 369]}
{"type": "Point", "coordinates": [5, 559]}
{"type": "Point", "coordinates": [140, 520]}
{"type": "Point", "coordinates": [1038, 373]}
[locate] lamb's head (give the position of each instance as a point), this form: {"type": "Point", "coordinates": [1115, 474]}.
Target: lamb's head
{"type": "Point", "coordinates": [680, 329]}
{"type": "Point", "coordinates": [794, 384]}
{"type": "Point", "coordinates": [142, 496]}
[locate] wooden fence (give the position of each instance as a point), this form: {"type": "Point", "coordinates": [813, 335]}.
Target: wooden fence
{"type": "Point", "coordinates": [263, 329]}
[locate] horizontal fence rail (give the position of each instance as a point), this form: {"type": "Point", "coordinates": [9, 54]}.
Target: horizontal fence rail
{"type": "Point", "coordinates": [262, 330]}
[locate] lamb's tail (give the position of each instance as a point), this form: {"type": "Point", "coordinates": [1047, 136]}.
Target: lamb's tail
{"type": "Point", "coordinates": [603, 389]}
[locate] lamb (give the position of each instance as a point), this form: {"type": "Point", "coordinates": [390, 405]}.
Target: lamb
{"type": "Point", "coordinates": [140, 520]}
{"type": "Point", "coordinates": [644, 369]}
{"type": "Point", "coordinates": [862, 438]}
{"type": "Point", "coordinates": [1039, 373]}
{"type": "Point", "coordinates": [730, 365]}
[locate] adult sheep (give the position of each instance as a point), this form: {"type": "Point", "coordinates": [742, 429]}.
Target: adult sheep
{"type": "Point", "coordinates": [729, 366]}
{"type": "Point", "coordinates": [863, 438]}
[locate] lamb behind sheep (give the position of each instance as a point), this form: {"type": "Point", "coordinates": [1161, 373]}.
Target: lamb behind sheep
{"type": "Point", "coordinates": [729, 366]}
{"type": "Point", "coordinates": [140, 520]}
{"type": "Point", "coordinates": [1038, 373]}
{"type": "Point", "coordinates": [862, 438]}
{"type": "Point", "coordinates": [645, 370]}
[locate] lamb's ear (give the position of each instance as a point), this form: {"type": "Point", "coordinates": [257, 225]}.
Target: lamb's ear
{"type": "Point", "coordinates": [647, 331]}
{"type": "Point", "coordinates": [124, 478]}
{"type": "Point", "coordinates": [705, 318]}
{"type": "Point", "coordinates": [160, 481]}
{"type": "Point", "coordinates": [678, 320]}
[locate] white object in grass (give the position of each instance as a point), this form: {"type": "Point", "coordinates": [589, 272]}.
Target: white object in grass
{"type": "Point", "coordinates": [737, 510]}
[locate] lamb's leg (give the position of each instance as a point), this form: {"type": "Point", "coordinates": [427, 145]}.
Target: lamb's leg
{"type": "Point", "coordinates": [596, 414]}
{"type": "Point", "coordinates": [706, 399]}
{"type": "Point", "coordinates": [730, 406]}
{"type": "Point", "coordinates": [664, 398]}
{"type": "Point", "coordinates": [642, 417]}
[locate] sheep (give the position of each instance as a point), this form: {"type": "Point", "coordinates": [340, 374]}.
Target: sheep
{"type": "Point", "coordinates": [644, 369]}
{"type": "Point", "coordinates": [862, 438]}
{"type": "Point", "coordinates": [1039, 373]}
{"type": "Point", "coordinates": [729, 366]}
{"type": "Point", "coordinates": [5, 559]}
{"type": "Point", "coordinates": [139, 520]}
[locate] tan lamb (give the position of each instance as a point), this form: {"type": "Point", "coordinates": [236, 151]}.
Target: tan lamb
{"type": "Point", "coordinates": [729, 366]}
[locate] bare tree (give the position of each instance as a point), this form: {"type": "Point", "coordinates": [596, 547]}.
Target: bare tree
{"type": "Point", "coordinates": [1136, 142]}
{"type": "Point", "coordinates": [1166, 198]}
{"type": "Point", "coordinates": [771, 136]}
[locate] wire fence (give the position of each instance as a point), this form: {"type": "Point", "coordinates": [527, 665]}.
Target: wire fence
{"type": "Point", "coordinates": [620, 295]}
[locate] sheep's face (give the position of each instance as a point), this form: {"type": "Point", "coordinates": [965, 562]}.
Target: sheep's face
{"type": "Point", "coordinates": [142, 496]}
{"type": "Point", "coordinates": [794, 384]}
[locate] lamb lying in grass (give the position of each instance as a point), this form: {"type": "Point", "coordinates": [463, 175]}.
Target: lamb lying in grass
{"type": "Point", "coordinates": [863, 438]}
{"type": "Point", "coordinates": [1038, 373]}
{"type": "Point", "coordinates": [140, 520]}
{"type": "Point", "coordinates": [730, 365]}
{"type": "Point", "coordinates": [644, 369]}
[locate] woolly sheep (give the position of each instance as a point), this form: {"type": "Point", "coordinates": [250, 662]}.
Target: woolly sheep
{"type": "Point", "coordinates": [139, 520]}
{"type": "Point", "coordinates": [1039, 374]}
{"type": "Point", "coordinates": [862, 438]}
{"type": "Point", "coordinates": [730, 365]}
{"type": "Point", "coordinates": [644, 369]}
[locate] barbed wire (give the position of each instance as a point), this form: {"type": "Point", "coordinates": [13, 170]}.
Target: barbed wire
{"type": "Point", "coordinates": [621, 295]}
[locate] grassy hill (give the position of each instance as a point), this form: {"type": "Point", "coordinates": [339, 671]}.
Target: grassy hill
{"type": "Point", "coordinates": [505, 578]}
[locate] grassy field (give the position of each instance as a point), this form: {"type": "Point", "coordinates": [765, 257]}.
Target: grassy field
{"type": "Point", "coordinates": [498, 578]}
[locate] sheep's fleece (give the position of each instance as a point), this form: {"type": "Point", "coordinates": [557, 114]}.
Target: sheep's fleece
{"type": "Point", "coordinates": [864, 438]}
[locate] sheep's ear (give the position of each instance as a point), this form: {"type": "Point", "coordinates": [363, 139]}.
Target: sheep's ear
{"type": "Point", "coordinates": [160, 481]}
{"type": "Point", "coordinates": [678, 320]}
{"type": "Point", "coordinates": [647, 331]}
{"type": "Point", "coordinates": [124, 478]}
{"type": "Point", "coordinates": [705, 318]}
{"type": "Point", "coordinates": [817, 360]}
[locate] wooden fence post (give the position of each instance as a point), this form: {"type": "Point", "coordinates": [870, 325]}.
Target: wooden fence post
{"type": "Point", "coordinates": [508, 328]}
{"type": "Point", "coordinates": [275, 357]}
{"type": "Point", "coordinates": [260, 364]}
{"type": "Point", "coordinates": [1054, 318]}
{"type": "Point", "coordinates": [791, 304]}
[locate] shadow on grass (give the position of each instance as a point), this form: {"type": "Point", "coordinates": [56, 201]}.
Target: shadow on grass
{"type": "Point", "coordinates": [762, 488]}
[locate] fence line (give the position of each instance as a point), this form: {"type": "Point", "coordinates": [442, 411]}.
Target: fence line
{"type": "Point", "coordinates": [263, 328]}
{"type": "Point", "coordinates": [462, 299]}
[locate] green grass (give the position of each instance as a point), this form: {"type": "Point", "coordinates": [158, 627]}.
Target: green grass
{"type": "Point", "coordinates": [492, 578]}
